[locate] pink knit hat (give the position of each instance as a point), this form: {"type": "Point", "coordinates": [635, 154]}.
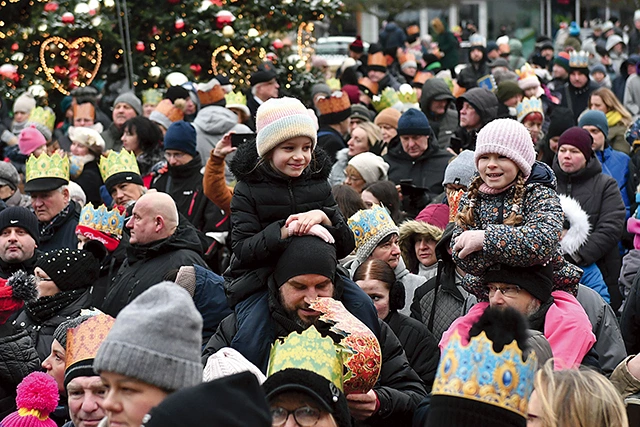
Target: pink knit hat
{"type": "Point", "coordinates": [30, 140]}
{"type": "Point", "coordinates": [508, 138]}
{"type": "Point", "coordinates": [37, 398]}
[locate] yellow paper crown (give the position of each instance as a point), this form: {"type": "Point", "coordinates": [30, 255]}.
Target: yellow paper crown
{"type": "Point", "coordinates": [407, 95]}
{"type": "Point", "coordinates": [151, 96]}
{"type": "Point", "coordinates": [84, 340]}
{"type": "Point", "coordinates": [526, 71]}
{"type": "Point", "coordinates": [477, 372]}
{"type": "Point", "coordinates": [388, 98]}
{"type": "Point", "coordinates": [527, 106]}
{"type": "Point", "coordinates": [43, 116]}
{"type": "Point", "coordinates": [114, 163]}
{"type": "Point", "coordinates": [334, 84]}
{"type": "Point", "coordinates": [579, 59]}
{"type": "Point", "coordinates": [43, 166]}
{"type": "Point", "coordinates": [102, 219]}
{"type": "Point", "coordinates": [235, 98]}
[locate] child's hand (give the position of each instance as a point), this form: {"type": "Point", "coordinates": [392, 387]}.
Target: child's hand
{"type": "Point", "coordinates": [468, 242]}
{"type": "Point", "coordinates": [306, 220]}
{"type": "Point", "coordinates": [316, 230]}
{"type": "Point", "coordinates": [224, 147]}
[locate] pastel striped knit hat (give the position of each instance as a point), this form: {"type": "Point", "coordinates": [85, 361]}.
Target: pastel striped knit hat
{"type": "Point", "coordinates": [509, 138]}
{"type": "Point", "coordinates": [280, 119]}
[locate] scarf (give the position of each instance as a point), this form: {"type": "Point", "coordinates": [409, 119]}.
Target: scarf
{"type": "Point", "coordinates": [536, 320]}
{"type": "Point", "coordinates": [44, 308]}
{"type": "Point", "coordinates": [613, 117]}
{"type": "Point", "coordinates": [484, 188]}
{"type": "Point", "coordinates": [47, 231]}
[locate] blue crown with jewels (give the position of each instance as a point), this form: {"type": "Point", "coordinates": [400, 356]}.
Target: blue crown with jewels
{"type": "Point", "coordinates": [579, 59]}
{"type": "Point", "coordinates": [476, 372]}
{"type": "Point", "coordinates": [527, 106]}
{"type": "Point", "coordinates": [109, 221]}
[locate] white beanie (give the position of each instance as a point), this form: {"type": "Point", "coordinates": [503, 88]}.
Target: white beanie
{"type": "Point", "coordinates": [228, 361]}
{"type": "Point", "coordinates": [24, 103]}
{"type": "Point", "coordinates": [373, 168]}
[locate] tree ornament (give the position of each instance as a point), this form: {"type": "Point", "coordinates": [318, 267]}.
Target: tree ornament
{"type": "Point", "coordinates": [109, 3]}
{"type": "Point", "coordinates": [277, 44]}
{"type": "Point", "coordinates": [140, 46]}
{"type": "Point", "coordinates": [81, 8]}
{"type": "Point", "coordinates": [68, 18]}
{"type": "Point", "coordinates": [173, 1]}
{"type": "Point", "coordinates": [15, 47]}
{"type": "Point", "coordinates": [253, 33]}
{"type": "Point", "coordinates": [175, 79]}
{"type": "Point", "coordinates": [224, 17]}
{"type": "Point", "coordinates": [196, 68]}
{"type": "Point", "coordinates": [51, 6]}
{"type": "Point", "coordinates": [154, 73]}
{"type": "Point", "coordinates": [228, 31]}
{"type": "Point", "coordinates": [96, 21]}
{"type": "Point", "coordinates": [179, 25]}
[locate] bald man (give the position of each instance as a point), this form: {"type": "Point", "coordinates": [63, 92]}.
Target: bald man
{"type": "Point", "coordinates": [158, 245]}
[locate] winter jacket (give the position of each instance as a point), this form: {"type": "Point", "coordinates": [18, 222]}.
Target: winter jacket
{"type": "Point", "coordinates": [18, 358]}
{"type": "Point", "coordinates": [486, 105]}
{"type": "Point", "coordinates": [214, 185]}
{"type": "Point", "coordinates": [609, 343]}
{"type": "Point", "coordinates": [616, 165]}
{"type": "Point", "coordinates": [600, 198]}
{"type": "Point", "coordinates": [62, 234]}
{"type": "Point", "coordinates": [443, 125]}
{"type": "Point", "coordinates": [42, 332]}
{"type": "Point", "coordinates": [447, 43]}
{"type": "Point", "coordinates": [392, 36]}
{"type": "Point", "coordinates": [633, 181]}
{"type": "Point", "coordinates": [111, 136]}
{"type": "Point", "coordinates": [577, 100]}
{"type": "Point", "coordinates": [630, 266]}
{"type": "Point", "coordinates": [108, 269]}
{"type": "Point", "coordinates": [616, 138]}
{"type": "Point", "coordinates": [147, 265]}
{"type": "Point", "coordinates": [410, 232]}
{"type": "Point", "coordinates": [90, 181]}
{"type": "Point", "coordinates": [330, 141]}
{"type": "Point", "coordinates": [630, 320]}
{"type": "Point", "coordinates": [516, 60]}
{"type": "Point", "coordinates": [514, 245]}
{"type": "Point", "coordinates": [262, 201]}
{"type": "Point", "coordinates": [210, 300]}
{"type": "Point", "coordinates": [211, 124]}
{"type": "Point", "coordinates": [631, 99]}
{"type": "Point", "coordinates": [468, 77]}
{"type": "Point", "coordinates": [420, 346]}
{"type": "Point", "coordinates": [389, 80]}
{"type": "Point", "coordinates": [337, 175]}
{"type": "Point", "coordinates": [8, 269]}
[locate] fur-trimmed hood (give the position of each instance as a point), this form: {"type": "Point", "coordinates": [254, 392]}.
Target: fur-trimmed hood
{"type": "Point", "coordinates": [406, 240]}
{"type": "Point", "coordinates": [579, 227]}
{"type": "Point", "coordinates": [243, 165]}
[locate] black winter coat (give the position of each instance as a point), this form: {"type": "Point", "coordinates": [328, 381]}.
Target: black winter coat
{"type": "Point", "coordinates": [90, 181]}
{"type": "Point", "coordinates": [18, 358]}
{"type": "Point", "coordinates": [262, 201]}
{"type": "Point", "coordinates": [7, 270]}
{"type": "Point", "coordinates": [64, 231]}
{"type": "Point", "coordinates": [577, 100]}
{"type": "Point", "coordinates": [630, 320]}
{"type": "Point", "coordinates": [330, 141]}
{"type": "Point", "coordinates": [486, 104]}
{"type": "Point", "coordinates": [443, 125]}
{"type": "Point", "coordinates": [468, 77]}
{"type": "Point", "coordinates": [147, 265]}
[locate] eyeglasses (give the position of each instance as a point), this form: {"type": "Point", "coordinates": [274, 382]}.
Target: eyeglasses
{"type": "Point", "coordinates": [177, 156]}
{"type": "Point", "coordinates": [305, 416]}
{"type": "Point", "coordinates": [507, 291]}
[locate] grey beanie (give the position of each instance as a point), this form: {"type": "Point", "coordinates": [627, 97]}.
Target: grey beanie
{"type": "Point", "coordinates": [461, 169]}
{"type": "Point", "coordinates": [131, 99]}
{"type": "Point", "coordinates": [60, 334]}
{"type": "Point", "coordinates": [320, 88]}
{"type": "Point", "coordinates": [156, 339]}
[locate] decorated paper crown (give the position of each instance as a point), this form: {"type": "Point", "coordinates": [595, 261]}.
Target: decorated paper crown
{"type": "Point", "coordinates": [488, 82]}
{"type": "Point", "coordinates": [579, 59]}
{"type": "Point", "coordinates": [369, 227]}
{"type": "Point", "coordinates": [86, 109]}
{"type": "Point", "coordinates": [334, 84]}
{"type": "Point", "coordinates": [388, 98]}
{"type": "Point", "coordinates": [367, 86]}
{"type": "Point", "coordinates": [107, 221]}
{"type": "Point", "coordinates": [151, 96]}
{"type": "Point", "coordinates": [114, 163]}
{"type": "Point", "coordinates": [377, 62]}
{"type": "Point", "coordinates": [210, 93]}
{"type": "Point", "coordinates": [83, 343]}
{"type": "Point", "coordinates": [527, 106]}
{"type": "Point", "coordinates": [526, 71]}
{"type": "Point", "coordinates": [44, 116]}
{"type": "Point", "coordinates": [477, 372]}
{"type": "Point", "coordinates": [338, 102]}
{"type": "Point", "coordinates": [235, 98]}
{"type": "Point", "coordinates": [420, 78]}
{"type": "Point", "coordinates": [48, 167]}
{"type": "Point", "coordinates": [407, 95]}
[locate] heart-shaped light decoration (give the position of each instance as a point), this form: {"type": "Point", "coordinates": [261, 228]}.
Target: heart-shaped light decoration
{"type": "Point", "coordinates": [230, 52]}
{"type": "Point", "coordinates": [76, 54]}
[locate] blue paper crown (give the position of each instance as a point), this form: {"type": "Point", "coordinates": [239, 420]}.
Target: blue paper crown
{"type": "Point", "coordinates": [102, 219]}
{"type": "Point", "coordinates": [579, 59]}
{"type": "Point", "coordinates": [369, 227]}
{"type": "Point", "coordinates": [528, 105]}
{"type": "Point", "coordinates": [488, 82]}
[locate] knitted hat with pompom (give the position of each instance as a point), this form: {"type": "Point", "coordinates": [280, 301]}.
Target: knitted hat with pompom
{"type": "Point", "coordinates": [508, 138]}
{"type": "Point", "coordinates": [37, 398]}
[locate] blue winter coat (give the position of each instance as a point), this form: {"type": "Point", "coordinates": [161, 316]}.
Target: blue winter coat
{"type": "Point", "coordinates": [210, 300]}
{"type": "Point", "coordinates": [592, 278]}
{"type": "Point", "coordinates": [616, 165]}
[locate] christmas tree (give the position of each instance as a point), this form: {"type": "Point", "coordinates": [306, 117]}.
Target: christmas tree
{"type": "Point", "coordinates": [68, 44]}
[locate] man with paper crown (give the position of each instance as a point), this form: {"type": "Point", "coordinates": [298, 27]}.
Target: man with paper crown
{"type": "Point", "coordinates": [121, 177]}
{"type": "Point", "coordinates": [47, 181]}
{"type": "Point", "coordinates": [578, 89]}
{"type": "Point", "coordinates": [305, 291]}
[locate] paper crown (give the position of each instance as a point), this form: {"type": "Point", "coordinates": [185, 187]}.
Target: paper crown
{"type": "Point", "coordinates": [388, 98]}
{"type": "Point", "coordinates": [367, 226]}
{"type": "Point", "coordinates": [526, 71]}
{"type": "Point", "coordinates": [210, 93]}
{"type": "Point", "coordinates": [102, 219]}
{"type": "Point", "coordinates": [43, 116]}
{"type": "Point", "coordinates": [84, 340]}
{"type": "Point", "coordinates": [527, 106]}
{"type": "Point", "coordinates": [407, 95]}
{"type": "Point", "coordinates": [86, 109]}
{"type": "Point", "coordinates": [377, 61]}
{"type": "Point", "coordinates": [338, 102]}
{"type": "Point", "coordinates": [413, 30]}
{"type": "Point", "coordinates": [151, 96]}
{"type": "Point", "coordinates": [235, 98]}
{"type": "Point", "coordinates": [477, 40]}
{"type": "Point", "coordinates": [174, 111]}
{"type": "Point", "coordinates": [367, 86]}
{"type": "Point", "coordinates": [334, 84]}
{"type": "Point", "coordinates": [477, 372]}
{"type": "Point", "coordinates": [420, 78]}
{"type": "Point", "coordinates": [45, 166]}
{"type": "Point", "coordinates": [488, 82]}
{"type": "Point", "coordinates": [579, 59]}
{"type": "Point", "coordinates": [406, 57]}
{"type": "Point", "coordinates": [113, 163]}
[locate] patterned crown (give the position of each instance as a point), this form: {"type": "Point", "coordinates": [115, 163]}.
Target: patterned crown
{"type": "Point", "coordinates": [44, 116]}
{"type": "Point", "coordinates": [367, 86]}
{"type": "Point", "coordinates": [210, 94]}
{"type": "Point", "coordinates": [151, 96]}
{"type": "Point", "coordinates": [527, 106]}
{"type": "Point", "coordinates": [388, 98]}
{"type": "Point", "coordinates": [311, 351]}
{"type": "Point", "coordinates": [174, 111]}
{"type": "Point", "coordinates": [488, 82]}
{"type": "Point", "coordinates": [114, 163]}
{"type": "Point", "coordinates": [525, 72]}
{"type": "Point", "coordinates": [45, 166]}
{"type": "Point", "coordinates": [377, 59]}
{"type": "Point", "coordinates": [107, 221]}
{"type": "Point", "coordinates": [407, 95]}
{"type": "Point", "coordinates": [334, 83]}
{"type": "Point", "coordinates": [369, 227]}
{"type": "Point", "coordinates": [84, 340]}
{"type": "Point", "coordinates": [477, 372]}
{"type": "Point", "coordinates": [579, 59]}
{"type": "Point", "coordinates": [235, 98]}
{"type": "Point", "coordinates": [336, 103]}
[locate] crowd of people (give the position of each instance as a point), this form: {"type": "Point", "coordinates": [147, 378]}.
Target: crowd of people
{"type": "Point", "coordinates": [417, 247]}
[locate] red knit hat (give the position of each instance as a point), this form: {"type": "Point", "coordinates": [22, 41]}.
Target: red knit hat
{"type": "Point", "coordinates": [14, 292]}
{"type": "Point", "coordinates": [357, 46]}
{"type": "Point", "coordinates": [579, 138]}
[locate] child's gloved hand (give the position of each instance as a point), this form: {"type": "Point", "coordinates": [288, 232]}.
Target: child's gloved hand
{"type": "Point", "coordinates": [315, 230]}
{"type": "Point", "coordinates": [468, 242]}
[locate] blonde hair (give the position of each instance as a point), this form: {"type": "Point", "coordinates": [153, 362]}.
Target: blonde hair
{"type": "Point", "coordinates": [578, 398]}
{"type": "Point", "coordinates": [465, 217]}
{"type": "Point", "coordinates": [612, 103]}
{"type": "Point", "coordinates": [374, 134]}
{"type": "Point", "coordinates": [351, 170]}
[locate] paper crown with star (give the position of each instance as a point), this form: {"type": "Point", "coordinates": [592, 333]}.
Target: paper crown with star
{"type": "Point", "coordinates": [528, 106]}
{"type": "Point", "coordinates": [235, 98]}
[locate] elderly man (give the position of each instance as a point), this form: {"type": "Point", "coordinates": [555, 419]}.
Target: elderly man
{"type": "Point", "coordinates": [19, 238]}
{"type": "Point", "coordinates": [307, 270]}
{"type": "Point", "coordinates": [264, 86]}
{"type": "Point", "coordinates": [158, 246]}
{"type": "Point", "coordinates": [47, 183]}
{"type": "Point", "coordinates": [125, 107]}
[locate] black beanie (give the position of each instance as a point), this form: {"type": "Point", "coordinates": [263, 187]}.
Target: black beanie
{"type": "Point", "coordinates": [17, 216]}
{"type": "Point", "coordinates": [537, 279]}
{"type": "Point", "coordinates": [456, 411]}
{"type": "Point", "coordinates": [306, 255]}
{"type": "Point", "coordinates": [561, 119]}
{"type": "Point", "coordinates": [70, 268]}
{"type": "Point", "coordinates": [176, 92]}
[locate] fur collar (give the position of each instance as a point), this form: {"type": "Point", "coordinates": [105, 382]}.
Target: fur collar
{"type": "Point", "coordinates": [580, 228]}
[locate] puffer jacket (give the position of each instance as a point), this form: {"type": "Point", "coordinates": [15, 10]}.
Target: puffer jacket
{"type": "Point", "coordinates": [443, 125]}
{"type": "Point", "coordinates": [337, 177]}
{"type": "Point", "coordinates": [147, 265]}
{"type": "Point", "coordinates": [262, 201]}
{"type": "Point", "coordinates": [616, 165]}
{"type": "Point", "coordinates": [18, 358]}
{"type": "Point", "coordinates": [486, 104]}
{"type": "Point", "coordinates": [600, 198]}
{"type": "Point", "coordinates": [534, 241]}
{"type": "Point", "coordinates": [392, 36]}
{"type": "Point", "coordinates": [211, 124]}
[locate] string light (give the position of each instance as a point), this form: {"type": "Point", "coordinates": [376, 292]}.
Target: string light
{"type": "Point", "coordinates": [76, 44]}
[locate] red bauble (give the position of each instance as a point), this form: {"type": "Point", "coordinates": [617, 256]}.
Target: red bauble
{"type": "Point", "coordinates": [277, 44]}
{"type": "Point", "coordinates": [140, 46]}
{"type": "Point", "coordinates": [218, 3]}
{"type": "Point", "coordinates": [223, 18]}
{"type": "Point", "coordinates": [68, 18]}
{"type": "Point", "coordinates": [52, 6]}
{"type": "Point", "coordinates": [289, 25]}
{"type": "Point", "coordinates": [196, 68]}
{"type": "Point", "coordinates": [155, 31]}
{"type": "Point", "coordinates": [179, 25]}
{"type": "Point", "coordinates": [173, 1]}
{"type": "Point", "coordinates": [15, 47]}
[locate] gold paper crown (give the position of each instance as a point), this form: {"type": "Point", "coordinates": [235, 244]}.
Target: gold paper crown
{"type": "Point", "coordinates": [43, 166]}
{"type": "Point", "coordinates": [86, 109]}
{"type": "Point", "coordinates": [407, 95]}
{"type": "Point", "coordinates": [388, 98]}
{"type": "Point", "coordinates": [477, 372]}
{"type": "Point", "coordinates": [211, 96]}
{"type": "Point", "coordinates": [336, 103]}
{"type": "Point", "coordinates": [84, 340]}
{"type": "Point", "coordinates": [174, 111]}
{"type": "Point", "coordinates": [525, 72]}
{"type": "Point", "coordinates": [579, 59]}
{"type": "Point", "coordinates": [334, 84]}
{"type": "Point", "coordinates": [151, 96]}
{"type": "Point", "coordinates": [527, 106]}
{"type": "Point", "coordinates": [377, 59]}
{"type": "Point", "coordinates": [366, 85]}
{"type": "Point", "coordinates": [405, 57]}
{"type": "Point", "coordinates": [311, 351]}
{"type": "Point", "coordinates": [114, 163]}
{"type": "Point", "coordinates": [102, 219]}
{"type": "Point", "coordinates": [235, 98]}
{"type": "Point", "coordinates": [43, 116]}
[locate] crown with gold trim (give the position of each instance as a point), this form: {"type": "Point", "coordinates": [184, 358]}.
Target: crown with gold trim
{"type": "Point", "coordinates": [369, 227]}
{"type": "Point", "coordinates": [527, 106]}
{"type": "Point", "coordinates": [334, 84]}
{"type": "Point", "coordinates": [579, 59]}
{"type": "Point", "coordinates": [235, 98]}
{"type": "Point", "coordinates": [388, 98]}
{"type": "Point", "coordinates": [476, 372]}
{"type": "Point", "coordinates": [109, 221]}
{"type": "Point", "coordinates": [113, 163]}
{"type": "Point", "coordinates": [488, 82]}
{"type": "Point", "coordinates": [83, 343]}
{"type": "Point", "coordinates": [336, 103]}
{"type": "Point", "coordinates": [44, 119]}
{"type": "Point", "coordinates": [45, 166]}
{"type": "Point", "coordinates": [368, 87]}
{"type": "Point", "coordinates": [526, 71]}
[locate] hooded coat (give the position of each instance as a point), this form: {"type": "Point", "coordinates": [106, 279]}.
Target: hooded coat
{"type": "Point", "coordinates": [211, 124]}
{"type": "Point", "coordinates": [577, 100]}
{"type": "Point", "coordinates": [468, 77]}
{"type": "Point", "coordinates": [410, 231]}
{"type": "Point", "coordinates": [443, 125]}
{"type": "Point", "coordinates": [486, 105]}
{"type": "Point", "coordinates": [392, 36]}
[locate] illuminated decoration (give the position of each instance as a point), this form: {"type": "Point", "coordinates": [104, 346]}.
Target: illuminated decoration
{"type": "Point", "coordinates": [240, 56]}
{"type": "Point", "coordinates": [305, 40]}
{"type": "Point", "coordinates": [78, 76]}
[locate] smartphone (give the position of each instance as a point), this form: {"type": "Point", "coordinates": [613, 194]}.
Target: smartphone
{"type": "Point", "coordinates": [237, 139]}
{"type": "Point", "coordinates": [456, 144]}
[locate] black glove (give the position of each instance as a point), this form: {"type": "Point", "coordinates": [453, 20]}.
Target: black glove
{"type": "Point", "coordinates": [378, 147]}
